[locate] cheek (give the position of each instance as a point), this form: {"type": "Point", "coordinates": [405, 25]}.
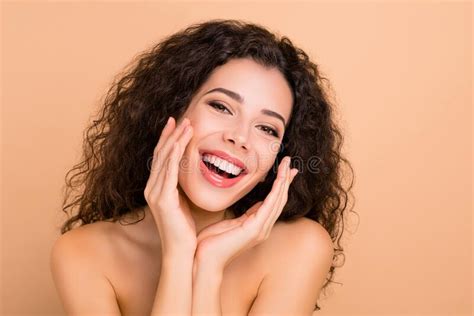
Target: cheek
{"type": "Point", "coordinates": [204, 123]}
{"type": "Point", "coordinates": [207, 130]}
{"type": "Point", "coordinates": [266, 160]}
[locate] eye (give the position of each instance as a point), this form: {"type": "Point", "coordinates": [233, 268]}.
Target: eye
{"type": "Point", "coordinates": [219, 107]}
{"type": "Point", "coordinates": [270, 131]}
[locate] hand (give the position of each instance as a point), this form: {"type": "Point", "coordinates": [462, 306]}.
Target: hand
{"type": "Point", "coordinates": [171, 212]}
{"type": "Point", "coordinates": [219, 243]}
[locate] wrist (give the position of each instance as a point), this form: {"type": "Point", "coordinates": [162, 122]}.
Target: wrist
{"type": "Point", "coordinates": [207, 265]}
{"type": "Point", "coordinates": [179, 251]}
{"type": "Point", "coordinates": [177, 259]}
{"type": "Point", "coordinates": [208, 261]}
{"type": "Point", "coordinates": [207, 273]}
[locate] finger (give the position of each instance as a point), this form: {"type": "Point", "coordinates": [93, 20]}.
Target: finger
{"type": "Point", "coordinates": [163, 152]}
{"type": "Point", "coordinates": [280, 202]}
{"type": "Point", "coordinates": [266, 208]}
{"type": "Point", "coordinates": [169, 179]}
{"type": "Point", "coordinates": [177, 132]}
{"type": "Point", "coordinates": [164, 134]}
{"type": "Point", "coordinates": [249, 216]}
{"type": "Point", "coordinates": [291, 175]}
{"type": "Point", "coordinates": [173, 130]}
{"type": "Point", "coordinates": [176, 128]}
{"type": "Point", "coordinates": [294, 172]}
{"type": "Point", "coordinates": [284, 199]}
{"type": "Point", "coordinates": [165, 178]}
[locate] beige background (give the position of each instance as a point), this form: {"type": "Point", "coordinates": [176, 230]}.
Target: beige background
{"type": "Point", "coordinates": [402, 73]}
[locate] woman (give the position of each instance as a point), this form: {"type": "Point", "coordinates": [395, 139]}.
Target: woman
{"type": "Point", "coordinates": [190, 203]}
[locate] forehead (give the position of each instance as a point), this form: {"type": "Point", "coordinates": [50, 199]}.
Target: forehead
{"type": "Point", "coordinates": [260, 87]}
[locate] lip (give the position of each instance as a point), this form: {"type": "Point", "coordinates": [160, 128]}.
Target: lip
{"type": "Point", "coordinates": [226, 157]}
{"type": "Point", "coordinates": [218, 180]}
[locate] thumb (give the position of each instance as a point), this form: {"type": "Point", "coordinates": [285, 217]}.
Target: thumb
{"type": "Point", "coordinates": [254, 208]}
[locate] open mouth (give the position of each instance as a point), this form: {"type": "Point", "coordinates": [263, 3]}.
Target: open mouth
{"type": "Point", "coordinates": [218, 171]}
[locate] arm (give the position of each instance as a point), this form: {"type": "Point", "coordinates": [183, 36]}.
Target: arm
{"type": "Point", "coordinates": [206, 296]}
{"type": "Point", "coordinates": [173, 295]}
{"type": "Point", "coordinates": [220, 243]}
{"type": "Point", "coordinates": [82, 287]}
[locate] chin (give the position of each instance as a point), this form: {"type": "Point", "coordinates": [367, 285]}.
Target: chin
{"type": "Point", "coordinates": [208, 201]}
{"type": "Point", "coordinates": [208, 198]}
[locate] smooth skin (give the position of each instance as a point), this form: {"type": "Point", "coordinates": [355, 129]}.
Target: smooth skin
{"type": "Point", "coordinates": [223, 240]}
{"type": "Point", "coordinates": [90, 265]}
{"type": "Point", "coordinates": [172, 215]}
{"type": "Point", "coordinates": [216, 245]}
{"type": "Point", "coordinates": [85, 289]}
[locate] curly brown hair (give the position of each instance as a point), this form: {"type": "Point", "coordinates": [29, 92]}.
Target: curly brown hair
{"type": "Point", "coordinates": [160, 82]}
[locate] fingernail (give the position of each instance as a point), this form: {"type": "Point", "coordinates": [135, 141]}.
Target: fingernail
{"type": "Point", "coordinates": [296, 172]}
{"type": "Point", "coordinates": [169, 120]}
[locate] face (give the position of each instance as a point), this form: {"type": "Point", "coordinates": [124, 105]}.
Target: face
{"type": "Point", "coordinates": [238, 118]}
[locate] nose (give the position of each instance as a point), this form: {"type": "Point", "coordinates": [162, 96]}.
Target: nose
{"type": "Point", "coordinates": [238, 137]}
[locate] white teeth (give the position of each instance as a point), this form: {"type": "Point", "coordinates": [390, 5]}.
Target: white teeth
{"type": "Point", "coordinates": [229, 168]}
{"type": "Point", "coordinates": [219, 163]}
{"type": "Point", "coordinates": [222, 164]}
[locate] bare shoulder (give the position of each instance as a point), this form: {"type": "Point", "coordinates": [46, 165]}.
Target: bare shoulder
{"type": "Point", "coordinates": [77, 267]}
{"type": "Point", "coordinates": [91, 238]}
{"type": "Point", "coordinates": [300, 234]}
{"type": "Point", "coordinates": [104, 237]}
{"type": "Point", "coordinates": [300, 239]}
{"type": "Point", "coordinates": [90, 246]}
{"type": "Point", "coordinates": [98, 244]}
{"type": "Point", "coordinates": [297, 258]}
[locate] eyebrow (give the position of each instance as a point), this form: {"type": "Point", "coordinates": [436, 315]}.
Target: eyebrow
{"type": "Point", "coordinates": [237, 97]}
